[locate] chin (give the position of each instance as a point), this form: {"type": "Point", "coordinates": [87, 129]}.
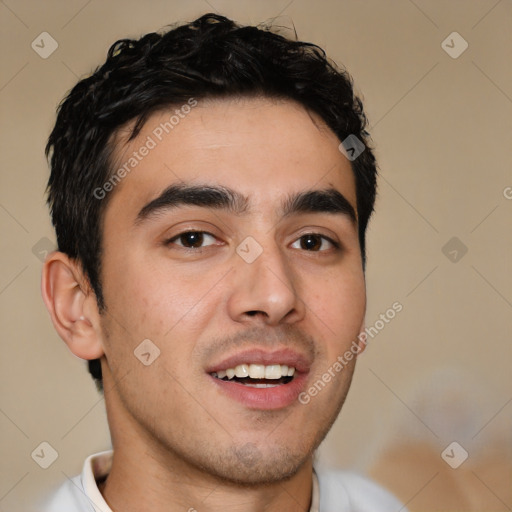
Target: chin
{"type": "Point", "coordinates": [249, 465]}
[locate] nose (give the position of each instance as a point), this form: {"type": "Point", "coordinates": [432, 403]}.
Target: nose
{"type": "Point", "coordinates": [265, 290]}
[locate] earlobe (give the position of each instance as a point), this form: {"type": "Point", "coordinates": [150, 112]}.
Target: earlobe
{"type": "Point", "coordinates": [67, 297]}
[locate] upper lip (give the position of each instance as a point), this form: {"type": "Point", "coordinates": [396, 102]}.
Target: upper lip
{"type": "Point", "coordinates": [301, 362]}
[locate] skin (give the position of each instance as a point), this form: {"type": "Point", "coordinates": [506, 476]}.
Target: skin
{"type": "Point", "coordinates": [179, 442]}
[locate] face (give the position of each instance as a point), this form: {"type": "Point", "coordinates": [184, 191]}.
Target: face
{"type": "Point", "coordinates": [231, 246]}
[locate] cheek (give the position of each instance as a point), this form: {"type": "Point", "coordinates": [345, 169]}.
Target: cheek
{"type": "Point", "coordinates": [167, 306]}
{"type": "Point", "coordinates": [143, 291]}
{"type": "Point", "coordinates": [339, 306]}
{"type": "Point", "coordinates": [340, 301]}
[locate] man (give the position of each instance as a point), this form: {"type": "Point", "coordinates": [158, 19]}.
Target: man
{"type": "Point", "coordinates": [211, 269]}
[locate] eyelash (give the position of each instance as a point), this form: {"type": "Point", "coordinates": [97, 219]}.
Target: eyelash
{"type": "Point", "coordinates": [172, 240]}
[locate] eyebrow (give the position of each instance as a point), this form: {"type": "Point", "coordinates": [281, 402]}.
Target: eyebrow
{"type": "Point", "coordinates": [327, 200]}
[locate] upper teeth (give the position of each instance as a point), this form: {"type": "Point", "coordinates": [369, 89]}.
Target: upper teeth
{"type": "Point", "coordinates": [257, 371]}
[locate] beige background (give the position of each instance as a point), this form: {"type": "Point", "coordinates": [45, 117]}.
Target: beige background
{"type": "Point", "coordinates": [440, 371]}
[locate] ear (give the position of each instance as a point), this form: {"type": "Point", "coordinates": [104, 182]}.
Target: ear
{"type": "Point", "coordinates": [72, 306]}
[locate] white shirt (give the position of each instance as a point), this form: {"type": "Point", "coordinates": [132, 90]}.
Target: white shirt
{"type": "Point", "coordinates": [333, 491]}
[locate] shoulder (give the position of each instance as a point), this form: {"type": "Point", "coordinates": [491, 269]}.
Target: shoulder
{"type": "Point", "coordinates": [342, 491]}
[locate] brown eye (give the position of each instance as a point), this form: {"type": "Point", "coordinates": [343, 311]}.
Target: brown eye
{"type": "Point", "coordinates": [314, 242]}
{"type": "Point", "coordinates": [310, 242]}
{"type": "Point", "coordinates": [193, 239]}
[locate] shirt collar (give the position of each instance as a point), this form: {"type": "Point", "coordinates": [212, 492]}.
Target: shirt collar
{"type": "Point", "coordinates": [97, 467]}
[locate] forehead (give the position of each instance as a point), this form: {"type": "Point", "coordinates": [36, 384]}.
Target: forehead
{"type": "Point", "coordinates": [264, 148]}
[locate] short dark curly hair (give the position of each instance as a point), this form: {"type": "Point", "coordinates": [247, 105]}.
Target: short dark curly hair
{"type": "Point", "coordinates": [211, 57]}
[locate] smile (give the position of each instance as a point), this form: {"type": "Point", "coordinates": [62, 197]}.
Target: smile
{"type": "Point", "coordinates": [257, 375]}
{"type": "Point", "coordinates": [261, 379]}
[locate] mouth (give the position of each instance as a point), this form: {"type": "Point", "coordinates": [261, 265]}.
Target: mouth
{"type": "Point", "coordinates": [257, 375]}
{"type": "Point", "coordinates": [262, 380]}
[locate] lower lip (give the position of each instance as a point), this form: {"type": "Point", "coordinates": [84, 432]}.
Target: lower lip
{"type": "Point", "coordinates": [276, 397]}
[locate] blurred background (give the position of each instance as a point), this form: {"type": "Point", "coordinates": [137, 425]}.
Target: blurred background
{"type": "Point", "coordinates": [429, 414]}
